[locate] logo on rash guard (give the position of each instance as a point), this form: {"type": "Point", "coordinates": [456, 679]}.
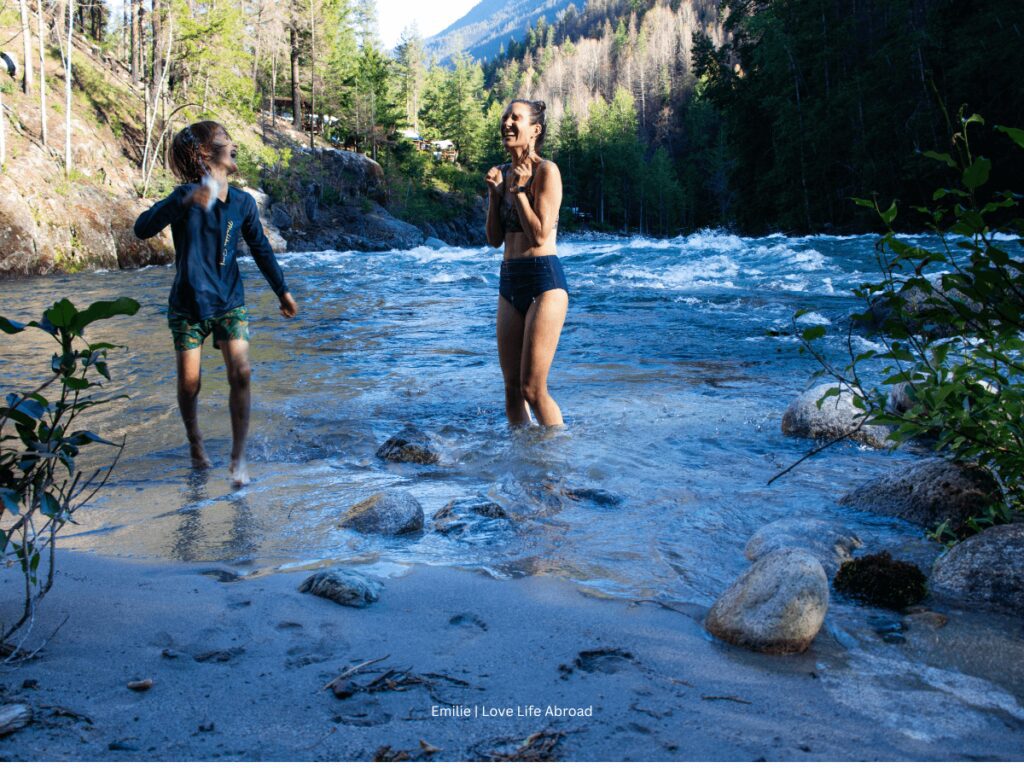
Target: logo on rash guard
{"type": "Point", "coordinates": [227, 239]}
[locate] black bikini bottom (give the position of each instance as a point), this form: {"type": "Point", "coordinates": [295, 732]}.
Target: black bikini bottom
{"type": "Point", "coordinates": [523, 280]}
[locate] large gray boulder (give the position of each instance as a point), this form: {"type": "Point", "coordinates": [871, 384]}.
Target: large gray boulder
{"type": "Point", "coordinates": [832, 544]}
{"type": "Point", "coordinates": [389, 512]}
{"type": "Point", "coordinates": [927, 493]}
{"type": "Point", "coordinates": [343, 587]}
{"type": "Point", "coordinates": [777, 606]}
{"type": "Point", "coordinates": [987, 568]}
{"type": "Point", "coordinates": [411, 445]}
{"type": "Point", "coordinates": [917, 304]}
{"type": "Point", "coordinates": [836, 417]}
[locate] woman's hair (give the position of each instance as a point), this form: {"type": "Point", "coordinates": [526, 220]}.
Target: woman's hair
{"type": "Point", "coordinates": [192, 149]}
{"type": "Point", "coordinates": [537, 109]}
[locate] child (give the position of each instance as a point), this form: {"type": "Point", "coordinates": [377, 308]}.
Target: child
{"type": "Point", "coordinates": [206, 217]}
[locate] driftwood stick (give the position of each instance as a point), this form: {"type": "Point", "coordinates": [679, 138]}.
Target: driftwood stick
{"type": "Point", "coordinates": [352, 670]}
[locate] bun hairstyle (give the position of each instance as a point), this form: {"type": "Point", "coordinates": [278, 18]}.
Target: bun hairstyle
{"type": "Point", "coordinates": [537, 117]}
{"type": "Point", "coordinates": [192, 149]}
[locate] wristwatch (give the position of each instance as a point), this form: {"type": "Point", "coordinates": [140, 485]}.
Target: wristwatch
{"type": "Point", "coordinates": [520, 188]}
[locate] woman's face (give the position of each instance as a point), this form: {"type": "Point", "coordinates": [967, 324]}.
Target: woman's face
{"type": "Point", "coordinates": [516, 131]}
{"type": "Point", "coordinates": [224, 152]}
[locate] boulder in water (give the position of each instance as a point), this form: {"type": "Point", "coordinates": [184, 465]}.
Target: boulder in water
{"type": "Point", "coordinates": [880, 580]}
{"type": "Point", "coordinates": [476, 515]}
{"type": "Point", "coordinates": [388, 512]}
{"type": "Point", "coordinates": [837, 417]}
{"type": "Point", "coordinates": [928, 493]}
{"type": "Point", "coordinates": [410, 445]}
{"type": "Point", "coordinates": [343, 587]}
{"type": "Point", "coordinates": [777, 606]}
{"type": "Point", "coordinates": [832, 544]}
{"type": "Point", "coordinates": [986, 568]}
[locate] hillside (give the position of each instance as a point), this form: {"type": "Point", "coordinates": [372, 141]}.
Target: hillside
{"type": "Point", "coordinates": [490, 24]}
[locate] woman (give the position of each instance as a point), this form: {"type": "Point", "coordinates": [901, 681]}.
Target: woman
{"type": "Point", "coordinates": [207, 217]}
{"type": "Point", "coordinates": [525, 195]}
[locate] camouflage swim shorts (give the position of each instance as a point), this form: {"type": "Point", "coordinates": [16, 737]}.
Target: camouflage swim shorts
{"type": "Point", "coordinates": [233, 324]}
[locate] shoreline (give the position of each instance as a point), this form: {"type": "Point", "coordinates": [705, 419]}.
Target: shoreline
{"type": "Point", "coordinates": [239, 669]}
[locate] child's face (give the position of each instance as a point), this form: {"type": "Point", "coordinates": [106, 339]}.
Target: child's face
{"type": "Point", "coordinates": [224, 152]}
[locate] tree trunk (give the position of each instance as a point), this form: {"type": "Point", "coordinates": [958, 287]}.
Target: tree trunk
{"type": "Point", "coordinates": [3, 132]}
{"type": "Point", "coordinates": [312, 73]}
{"type": "Point", "coordinates": [42, 70]}
{"type": "Point", "coordinates": [26, 37]}
{"type": "Point", "coordinates": [138, 63]}
{"type": "Point", "coordinates": [273, 91]}
{"type": "Point", "coordinates": [67, 90]}
{"type": "Point", "coordinates": [296, 104]}
{"type": "Point", "coordinates": [156, 66]}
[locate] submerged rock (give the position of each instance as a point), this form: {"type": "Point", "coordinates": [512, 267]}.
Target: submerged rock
{"type": "Point", "coordinates": [475, 515]}
{"type": "Point", "coordinates": [832, 544]}
{"type": "Point", "coordinates": [928, 493]}
{"type": "Point", "coordinates": [922, 312]}
{"type": "Point", "coordinates": [837, 417]}
{"type": "Point", "coordinates": [880, 580]}
{"type": "Point", "coordinates": [343, 587]}
{"type": "Point", "coordinates": [987, 568]}
{"type": "Point", "coordinates": [410, 445]}
{"type": "Point", "coordinates": [777, 606]}
{"type": "Point", "coordinates": [387, 512]}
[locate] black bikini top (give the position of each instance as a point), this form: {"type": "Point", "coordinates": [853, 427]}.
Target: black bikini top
{"type": "Point", "coordinates": [509, 212]}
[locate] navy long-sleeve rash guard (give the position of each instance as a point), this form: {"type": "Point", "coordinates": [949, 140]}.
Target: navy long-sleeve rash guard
{"type": "Point", "coordinates": [207, 282]}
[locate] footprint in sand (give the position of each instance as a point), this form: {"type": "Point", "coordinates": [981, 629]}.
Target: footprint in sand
{"type": "Point", "coordinates": [468, 621]}
{"type": "Point", "coordinates": [608, 661]}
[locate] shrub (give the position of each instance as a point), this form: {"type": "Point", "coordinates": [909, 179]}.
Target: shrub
{"type": "Point", "coordinates": [41, 484]}
{"type": "Point", "coordinates": [955, 339]}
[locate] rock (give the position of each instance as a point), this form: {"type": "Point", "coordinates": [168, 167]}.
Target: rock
{"type": "Point", "coordinates": [388, 512]}
{"type": "Point", "coordinates": [280, 217]}
{"type": "Point", "coordinates": [986, 568]}
{"type": "Point", "coordinates": [410, 445]}
{"type": "Point", "coordinates": [17, 234]}
{"type": "Point", "coordinates": [777, 606]}
{"type": "Point", "coordinates": [926, 618]}
{"type": "Point", "coordinates": [140, 685]}
{"type": "Point", "coordinates": [836, 417]}
{"type": "Point", "coordinates": [900, 398]}
{"type": "Point", "coordinates": [475, 515]}
{"type": "Point", "coordinates": [378, 224]}
{"type": "Point", "coordinates": [928, 493]}
{"type": "Point", "coordinates": [343, 587]}
{"type": "Point", "coordinates": [14, 717]}
{"type": "Point", "coordinates": [433, 242]}
{"type": "Point", "coordinates": [830, 543]}
{"type": "Point", "coordinates": [917, 304]}
{"type": "Point", "coordinates": [880, 580]}
{"type": "Point", "coordinates": [311, 202]}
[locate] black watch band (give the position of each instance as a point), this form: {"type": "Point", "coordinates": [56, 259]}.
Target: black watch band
{"type": "Point", "coordinates": [521, 189]}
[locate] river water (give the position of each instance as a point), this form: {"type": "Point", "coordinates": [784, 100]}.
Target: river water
{"type": "Point", "coordinates": [675, 365]}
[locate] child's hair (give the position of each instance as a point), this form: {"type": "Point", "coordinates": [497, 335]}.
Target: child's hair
{"type": "Point", "coordinates": [537, 109]}
{"type": "Point", "coordinates": [192, 149]}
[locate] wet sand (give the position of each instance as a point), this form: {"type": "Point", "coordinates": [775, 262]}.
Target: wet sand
{"type": "Point", "coordinates": [239, 669]}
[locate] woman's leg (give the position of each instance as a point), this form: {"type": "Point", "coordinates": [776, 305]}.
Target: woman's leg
{"type": "Point", "coordinates": [236, 360]}
{"type": "Point", "coordinates": [189, 363]}
{"type": "Point", "coordinates": [510, 350]}
{"type": "Point", "coordinates": [544, 323]}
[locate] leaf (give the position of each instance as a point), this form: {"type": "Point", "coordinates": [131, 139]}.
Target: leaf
{"type": "Point", "coordinates": [1014, 133]}
{"type": "Point", "coordinates": [101, 310]}
{"type": "Point", "coordinates": [84, 436]}
{"type": "Point", "coordinates": [10, 499]}
{"type": "Point", "coordinates": [49, 506]}
{"type": "Point", "coordinates": [978, 173]}
{"type": "Point", "coordinates": [61, 314]}
{"type": "Point", "coordinates": [813, 332]}
{"type": "Point", "coordinates": [76, 383]}
{"type": "Point", "coordinates": [11, 326]}
{"type": "Point", "coordinates": [942, 157]}
{"type": "Point", "coordinates": [888, 216]}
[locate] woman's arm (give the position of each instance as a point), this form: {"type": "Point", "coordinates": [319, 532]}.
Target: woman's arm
{"type": "Point", "coordinates": [167, 211]}
{"type": "Point", "coordinates": [262, 253]}
{"type": "Point", "coordinates": [495, 229]}
{"type": "Point", "coordinates": [539, 219]}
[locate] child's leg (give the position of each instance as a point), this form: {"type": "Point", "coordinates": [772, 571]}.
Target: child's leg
{"type": "Point", "coordinates": [189, 375]}
{"type": "Point", "coordinates": [236, 359]}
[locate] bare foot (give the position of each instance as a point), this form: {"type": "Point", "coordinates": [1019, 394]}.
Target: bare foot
{"type": "Point", "coordinates": [239, 473]}
{"type": "Point", "coordinates": [199, 458]}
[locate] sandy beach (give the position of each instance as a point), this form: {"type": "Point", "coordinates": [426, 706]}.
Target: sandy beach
{"type": "Point", "coordinates": [238, 670]}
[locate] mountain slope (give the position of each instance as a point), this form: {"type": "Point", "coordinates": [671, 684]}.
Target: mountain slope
{"type": "Point", "coordinates": [489, 24]}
